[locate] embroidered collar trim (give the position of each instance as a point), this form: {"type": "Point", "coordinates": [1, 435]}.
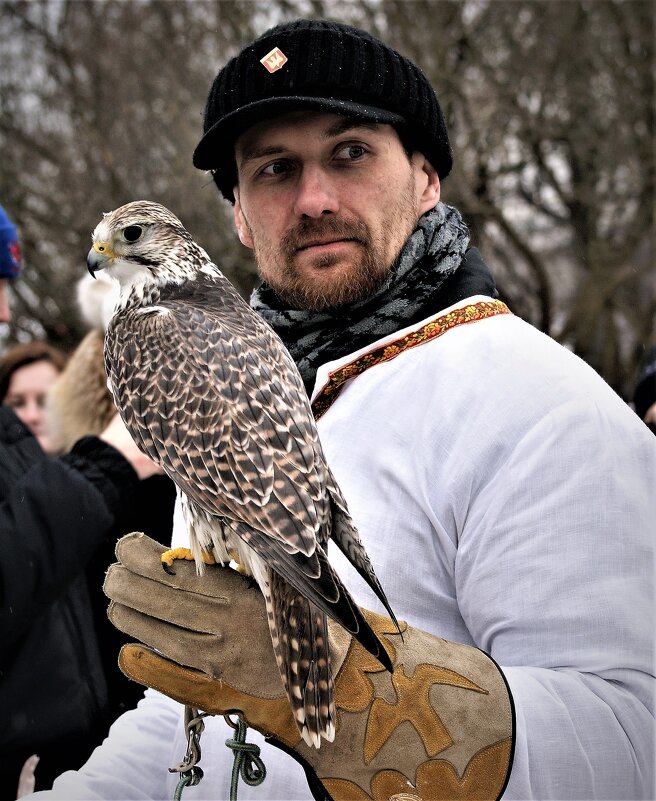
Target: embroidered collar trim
{"type": "Point", "coordinates": [337, 379]}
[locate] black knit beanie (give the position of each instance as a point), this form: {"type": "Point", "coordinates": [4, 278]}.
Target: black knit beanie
{"type": "Point", "coordinates": [328, 66]}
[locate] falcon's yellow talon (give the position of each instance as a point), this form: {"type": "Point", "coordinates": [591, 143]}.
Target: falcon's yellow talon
{"type": "Point", "coordinates": [168, 557]}
{"type": "Point", "coordinates": [176, 553]}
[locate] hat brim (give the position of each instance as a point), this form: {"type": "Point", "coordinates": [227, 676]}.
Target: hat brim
{"type": "Point", "coordinates": [210, 154]}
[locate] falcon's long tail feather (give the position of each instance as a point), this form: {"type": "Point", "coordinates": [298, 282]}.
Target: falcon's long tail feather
{"type": "Point", "coordinates": [299, 632]}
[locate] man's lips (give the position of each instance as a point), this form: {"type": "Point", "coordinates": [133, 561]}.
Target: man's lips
{"type": "Point", "coordinates": [326, 244]}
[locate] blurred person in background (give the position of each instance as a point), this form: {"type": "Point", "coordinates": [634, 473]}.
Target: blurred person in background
{"type": "Point", "coordinates": [56, 513]}
{"type": "Point", "coordinates": [27, 373]}
{"type": "Point", "coordinates": [10, 261]}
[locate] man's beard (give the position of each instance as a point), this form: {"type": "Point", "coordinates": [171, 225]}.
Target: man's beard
{"type": "Point", "coordinates": [362, 279]}
{"type": "Point", "coordinates": [346, 286]}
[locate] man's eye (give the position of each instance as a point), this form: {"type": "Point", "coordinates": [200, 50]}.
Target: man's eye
{"type": "Point", "coordinates": [351, 152]}
{"type": "Point", "coordinates": [276, 168]}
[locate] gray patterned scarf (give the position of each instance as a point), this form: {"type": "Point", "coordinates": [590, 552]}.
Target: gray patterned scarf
{"type": "Point", "coordinates": [432, 254]}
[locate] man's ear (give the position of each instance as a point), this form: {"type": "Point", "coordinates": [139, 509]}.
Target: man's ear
{"type": "Point", "coordinates": [428, 182]}
{"type": "Point", "coordinates": [243, 231]}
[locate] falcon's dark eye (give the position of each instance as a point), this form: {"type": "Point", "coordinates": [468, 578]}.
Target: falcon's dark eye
{"type": "Point", "coordinates": [132, 233]}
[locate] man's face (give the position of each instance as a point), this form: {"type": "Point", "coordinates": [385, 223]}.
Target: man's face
{"type": "Point", "coordinates": [5, 311]}
{"type": "Point", "coordinates": [327, 203]}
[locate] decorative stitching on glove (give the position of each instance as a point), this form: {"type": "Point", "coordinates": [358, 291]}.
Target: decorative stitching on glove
{"type": "Point", "coordinates": [413, 704]}
{"type": "Point", "coordinates": [358, 688]}
{"type": "Point", "coordinates": [436, 780]}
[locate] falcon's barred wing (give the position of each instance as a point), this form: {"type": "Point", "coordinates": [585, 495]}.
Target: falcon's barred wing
{"type": "Point", "coordinates": [346, 536]}
{"type": "Point", "coordinates": [230, 427]}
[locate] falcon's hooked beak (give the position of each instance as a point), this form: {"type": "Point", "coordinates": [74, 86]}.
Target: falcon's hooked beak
{"type": "Point", "coordinates": [98, 256]}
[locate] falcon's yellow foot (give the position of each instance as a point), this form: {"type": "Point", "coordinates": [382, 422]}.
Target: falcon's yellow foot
{"type": "Point", "coordinates": [168, 557]}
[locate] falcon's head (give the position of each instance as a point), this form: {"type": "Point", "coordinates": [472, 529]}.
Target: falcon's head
{"type": "Point", "coordinates": [144, 247]}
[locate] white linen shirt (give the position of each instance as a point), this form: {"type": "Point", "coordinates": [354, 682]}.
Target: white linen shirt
{"type": "Point", "coordinates": [506, 497]}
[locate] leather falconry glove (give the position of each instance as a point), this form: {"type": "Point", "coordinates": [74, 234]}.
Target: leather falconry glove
{"type": "Point", "coordinates": [440, 727]}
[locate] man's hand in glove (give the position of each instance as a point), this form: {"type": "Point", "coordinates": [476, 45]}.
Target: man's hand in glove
{"type": "Point", "coordinates": [439, 727]}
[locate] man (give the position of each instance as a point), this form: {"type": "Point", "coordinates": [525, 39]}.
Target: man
{"type": "Point", "coordinates": [503, 492]}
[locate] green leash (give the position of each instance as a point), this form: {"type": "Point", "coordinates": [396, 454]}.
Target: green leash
{"type": "Point", "coordinates": [247, 762]}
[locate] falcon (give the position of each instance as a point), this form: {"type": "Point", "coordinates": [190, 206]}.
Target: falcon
{"type": "Point", "coordinates": [210, 393]}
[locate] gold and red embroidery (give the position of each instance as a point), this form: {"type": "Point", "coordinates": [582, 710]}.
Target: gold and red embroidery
{"type": "Point", "coordinates": [467, 314]}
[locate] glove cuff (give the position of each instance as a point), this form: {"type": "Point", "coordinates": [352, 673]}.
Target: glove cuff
{"type": "Point", "coordinates": [440, 727]}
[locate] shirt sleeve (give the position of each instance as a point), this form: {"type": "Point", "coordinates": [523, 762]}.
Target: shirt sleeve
{"type": "Point", "coordinates": [132, 763]}
{"type": "Point", "coordinates": [555, 580]}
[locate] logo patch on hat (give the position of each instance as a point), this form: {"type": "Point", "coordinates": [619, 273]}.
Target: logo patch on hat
{"type": "Point", "coordinates": [274, 60]}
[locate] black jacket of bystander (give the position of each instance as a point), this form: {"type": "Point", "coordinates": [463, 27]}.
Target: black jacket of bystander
{"type": "Point", "coordinates": [54, 515]}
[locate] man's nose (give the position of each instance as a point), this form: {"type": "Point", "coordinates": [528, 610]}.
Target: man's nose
{"type": "Point", "coordinates": [316, 195]}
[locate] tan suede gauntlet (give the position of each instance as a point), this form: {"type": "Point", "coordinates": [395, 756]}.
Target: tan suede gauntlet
{"type": "Point", "coordinates": [440, 727]}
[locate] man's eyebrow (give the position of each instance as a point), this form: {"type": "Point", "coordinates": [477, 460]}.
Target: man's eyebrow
{"type": "Point", "coordinates": [335, 129]}
{"type": "Point", "coordinates": [257, 152]}
{"type": "Point", "coordinates": [347, 124]}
